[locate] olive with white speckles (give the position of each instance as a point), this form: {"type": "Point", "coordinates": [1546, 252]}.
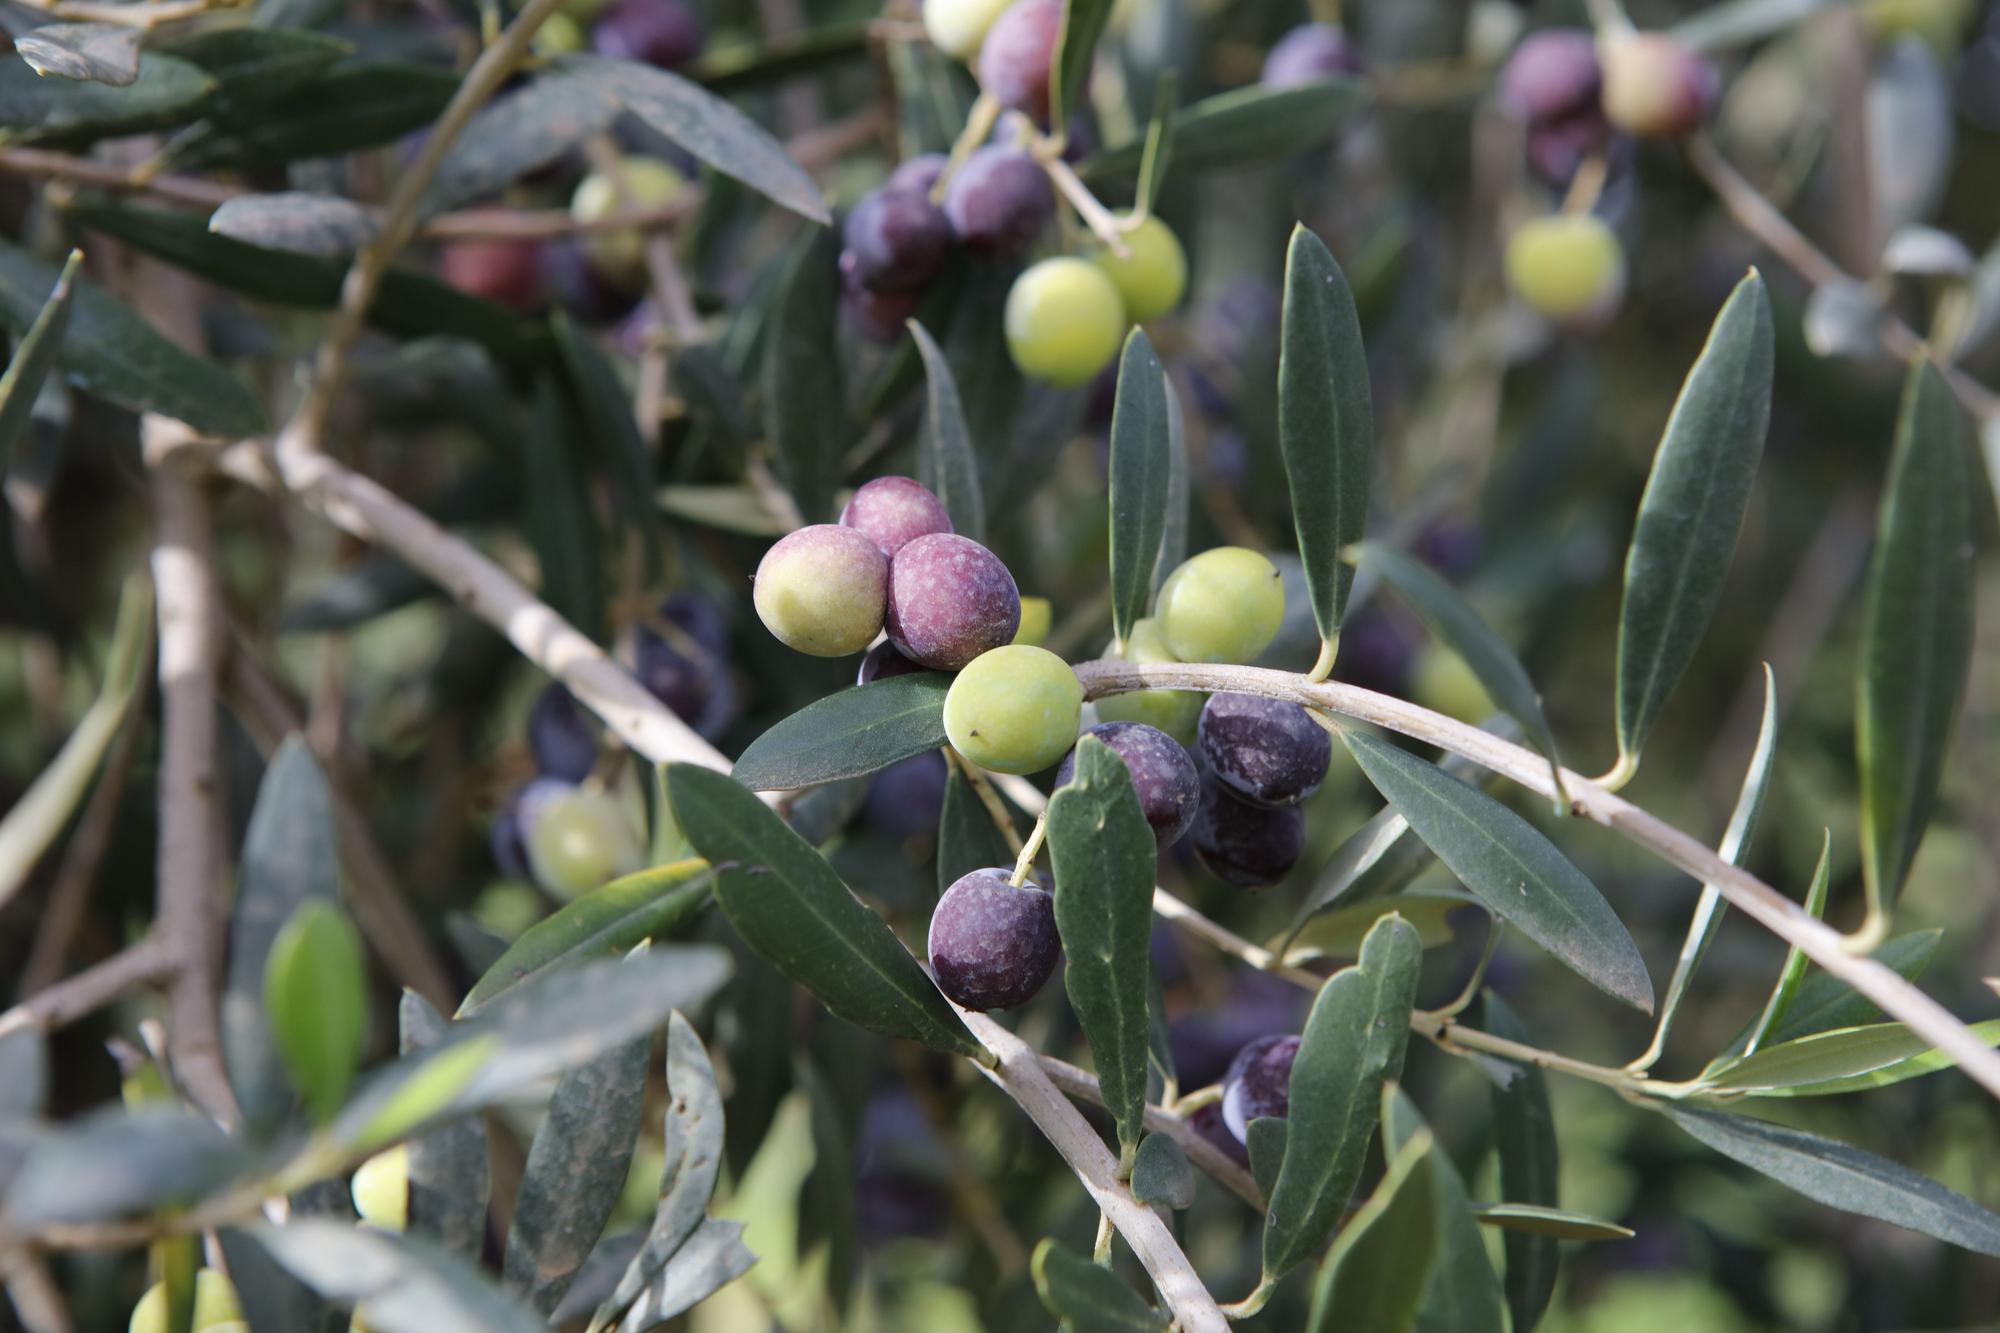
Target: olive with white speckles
{"type": "Point", "coordinates": [1164, 776]}
{"type": "Point", "coordinates": [993, 944]}
{"type": "Point", "coordinates": [950, 599]}
{"type": "Point", "coordinates": [1269, 751]}
{"type": "Point", "coordinates": [892, 512]}
{"type": "Point", "coordinates": [822, 590]}
{"type": "Point", "coordinates": [1258, 1084]}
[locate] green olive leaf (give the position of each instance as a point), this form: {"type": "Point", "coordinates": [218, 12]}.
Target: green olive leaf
{"type": "Point", "coordinates": [1379, 1267]}
{"type": "Point", "coordinates": [1142, 441]}
{"type": "Point", "coordinates": [950, 467]}
{"type": "Point", "coordinates": [34, 358]}
{"type": "Point", "coordinates": [1086, 1297]}
{"type": "Point", "coordinates": [850, 734]}
{"type": "Point", "coordinates": [1524, 1137]}
{"type": "Point", "coordinates": [1463, 1292]}
{"type": "Point", "coordinates": [316, 996]}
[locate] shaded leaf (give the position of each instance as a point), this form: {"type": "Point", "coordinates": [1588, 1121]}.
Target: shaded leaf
{"type": "Point", "coordinates": [1174, 535]}
{"type": "Point", "coordinates": [1843, 1060]}
{"type": "Point", "coordinates": [306, 224]}
{"type": "Point", "coordinates": [111, 352]}
{"type": "Point", "coordinates": [1240, 127]}
{"type": "Point", "coordinates": [1463, 1293]}
{"type": "Point", "coordinates": [520, 133]}
{"type": "Point", "coordinates": [1105, 856]}
{"type": "Point", "coordinates": [1512, 868]}
{"type": "Point", "coordinates": [713, 1257]}
{"type": "Point", "coordinates": [403, 1284]}
{"type": "Point", "coordinates": [1264, 1142]}
{"type": "Point", "coordinates": [1794, 971]}
{"type": "Point", "coordinates": [116, 1163]}
{"type": "Point", "coordinates": [1353, 1043]}
{"type": "Point", "coordinates": [661, 903]}
{"type": "Point", "coordinates": [1076, 45]}
{"type": "Point", "coordinates": [1912, 134]}
{"type": "Point", "coordinates": [1086, 1297]}
{"type": "Point", "coordinates": [1158, 153]}
{"type": "Point", "coordinates": [353, 105]}
{"type": "Point", "coordinates": [1376, 1273]}
{"type": "Point", "coordinates": [1338, 934]}
{"type": "Point", "coordinates": [790, 906]}
{"type": "Point", "coordinates": [755, 64]}
{"type": "Point", "coordinates": [612, 429]}
{"type": "Point", "coordinates": [1916, 651]}
{"type": "Point", "coordinates": [24, 1073]}
{"type": "Point", "coordinates": [728, 508]}
{"type": "Point", "coordinates": [1557, 1223]}
{"type": "Point", "coordinates": [272, 1300]}
{"type": "Point", "coordinates": [449, 1182]}
{"type": "Point", "coordinates": [950, 466]}
{"type": "Point", "coordinates": [707, 127]}
{"type": "Point", "coordinates": [849, 734]}
{"type": "Point", "coordinates": [805, 415]}
{"type": "Point", "coordinates": [315, 993]}
{"type": "Point", "coordinates": [968, 839]}
{"type": "Point", "coordinates": [561, 519]}
{"type": "Point", "coordinates": [827, 1201]}
{"type": "Point", "coordinates": [1692, 510]}
{"type": "Point", "coordinates": [1161, 1174]}
{"type": "Point", "coordinates": [1842, 1176]}
{"type": "Point", "coordinates": [1524, 1139]}
{"type": "Point", "coordinates": [1823, 1001]}
{"type": "Point", "coordinates": [164, 92]}
{"type": "Point", "coordinates": [252, 63]}
{"type": "Point", "coordinates": [33, 359]}
{"type": "Point", "coordinates": [99, 52]}
{"type": "Point", "coordinates": [1142, 442]}
{"type": "Point", "coordinates": [1326, 425]}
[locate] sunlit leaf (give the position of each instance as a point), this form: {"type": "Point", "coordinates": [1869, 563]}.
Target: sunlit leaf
{"type": "Point", "coordinates": [315, 994]}
{"type": "Point", "coordinates": [306, 224]}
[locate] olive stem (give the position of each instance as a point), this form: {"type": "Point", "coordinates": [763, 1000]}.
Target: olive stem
{"type": "Point", "coordinates": [1025, 861]}
{"type": "Point", "coordinates": [975, 777]}
{"type": "Point", "coordinates": [1095, 215]}
{"type": "Point", "coordinates": [979, 122]}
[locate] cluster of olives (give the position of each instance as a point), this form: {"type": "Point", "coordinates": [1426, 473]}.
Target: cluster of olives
{"type": "Point", "coordinates": [1260, 759]}
{"type": "Point", "coordinates": [1573, 91]}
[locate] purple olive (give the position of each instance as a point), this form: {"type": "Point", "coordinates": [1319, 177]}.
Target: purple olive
{"type": "Point", "coordinates": [508, 272]}
{"type": "Point", "coordinates": [1015, 57]}
{"type": "Point", "coordinates": [919, 174]}
{"type": "Point", "coordinates": [1164, 776]}
{"type": "Point", "coordinates": [999, 201]}
{"type": "Point", "coordinates": [575, 284]}
{"type": "Point", "coordinates": [515, 820]}
{"type": "Point", "coordinates": [906, 799]}
{"type": "Point", "coordinates": [892, 512]}
{"type": "Point", "coordinates": [899, 240]}
{"type": "Point", "coordinates": [663, 33]}
{"type": "Point", "coordinates": [1309, 53]}
{"type": "Point", "coordinates": [1207, 1122]}
{"type": "Point", "coordinates": [689, 671]}
{"type": "Point", "coordinates": [950, 599]}
{"type": "Point", "coordinates": [1552, 75]}
{"type": "Point", "coordinates": [877, 316]}
{"type": "Point", "coordinates": [883, 661]}
{"type": "Point", "coordinates": [561, 736]}
{"type": "Point", "coordinates": [1269, 751]}
{"type": "Point", "coordinates": [1258, 1084]}
{"type": "Point", "coordinates": [1243, 845]}
{"type": "Point", "coordinates": [993, 944]}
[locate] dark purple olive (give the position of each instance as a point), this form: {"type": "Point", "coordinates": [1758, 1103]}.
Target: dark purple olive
{"type": "Point", "coordinates": [993, 944]}
{"type": "Point", "coordinates": [574, 284]}
{"type": "Point", "coordinates": [1258, 1084]}
{"type": "Point", "coordinates": [561, 736]}
{"type": "Point", "coordinates": [899, 240]}
{"type": "Point", "coordinates": [662, 33]}
{"type": "Point", "coordinates": [1014, 58]}
{"type": "Point", "coordinates": [1164, 776]}
{"type": "Point", "coordinates": [999, 201]}
{"type": "Point", "coordinates": [1246, 846]}
{"type": "Point", "coordinates": [906, 799]}
{"type": "Point", "coordinates": [882, 662]}
{"type": "Point", "coordinates": [919, 173]}
{"type": "Point", "coordinates": [1269, 751]}
{"type": "Point", "coordinates": [877, 316]}
{"type": "Point", "coordinates": [1552, 75]}
{"type": "Point", "coordinates": [684, 670]}
{"type": "Point", "coordinates": [1309, 53]}
{"type": "Point", "coordinates": [1207, 1122]}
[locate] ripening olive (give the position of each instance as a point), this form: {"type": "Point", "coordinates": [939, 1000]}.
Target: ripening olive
{"type": "Point", "coordinates": [823, 590]}
{"type": "Point", "coordinates": [1224, 605]}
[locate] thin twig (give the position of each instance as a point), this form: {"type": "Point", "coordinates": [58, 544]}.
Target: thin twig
{"type": "Point", "coordinates": [1211, 1159]}
{"type": "Point", "coordinates": [83, 993]}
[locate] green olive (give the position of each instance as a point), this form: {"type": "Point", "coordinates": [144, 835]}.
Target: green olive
{"type": "Point", "coordinates": [1014, 709]}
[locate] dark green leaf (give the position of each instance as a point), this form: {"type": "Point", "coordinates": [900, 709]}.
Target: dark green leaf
{"type": "Point", "coordinates": [707, 127]}
{"type": "Point", "coordinates": [1088, 1298]}
{"type": "Point", "coordinates": [111, 352]}
{"type": "Point", "coordinates": [321, 225]}
{"type": "Point", "coordinates": [1794, 971]}
{"type": "Point", "coordinates": [575, 1172]}
{"type": "Point", "coordinates": [99, 52]}
{"type": "Point", "coordinates": [373, 586]}
{"type": "Point", "coordinates": [24, 1073]}
{"type": "Point", "coordinates": [1353, 1043]}
{"type": "Point", "coordinates": [1141, 460]}
{"type": "Point", "coordinates": [1159, 1039]}
{"type": "Point", "coordinates": [1555, 1223]}
{"type": "Point", "coordinates": [612, 428]}
{"type": "Point", "coordinates": [405, 1284]}
{"type": "Point", "coordinates": [519, 134]}
{"type": "Point", "coordinates": [354, 105]}
{"type": "Point", "coordinates": [827, 1202]}
{"type": "Point", "coordinates": [410, 305]}
{"type": "Point", "coordinates": [1158, 153]}
{"type": "Point", "coordinates": [790, 906]}
{"type": "Point", "coordinates": [33, 359]}
{"type": "Point", "coordinates": [1265, 1144]}
{"type": "Point", "coordinates": [1338, 933]}
{"type": "Point", "coordinates": [1842, 1176]}
{"type": "Point", "coordinates": [713, 1257]}
{"type": "Point", "coordinates": [288, 860]}
{"type": "Point", "coordinates": [1917, 643]}
{"type": "Point", "coordinates": [253, 63]}
{"type": "Point", "coordinates": [1379, 1267]}
{"type": "Point", "coordinates": [1524, 1138]}
{"type": "Point", "coordinates": [1692, 510]}
{"type": "Point", "coordinates": [1076, 45]}
{"type": "Point", "coordinates": [1105, 856]}
{"type": "Point", "coordinates": [1512, 868]}
{"type": "Point", "coordinates": [968, 839]}
{"type": "Point", "coordinates": [561, 519]}
{"type": "Point", "coordinates": [1161, 1173]}
{"type": "Point", "coordinates": [1735, 840]}
{"type": "Point", "coordinates": [661, 903]}
{"type": "Point", "coordinates": [950, 466]}
{"type": "Point", "coordinates": [1326, 426]}
{"type": "Point", "coordinates": [1823, 1002]}
{"type": "Point", "coordinates": [990, 386]}
{"type": "Point", "coordinates": [693, 1160]}
{"type": "Point", "coordinates": [1843, 1060]}
{"type": "Point", "coordinates": [1174, 535]}
{"type": "Point", "coordinates": [272, 1300]}
{"type": "Point", "coordinates": [734, 68]}
{"type": "Point", "coordinates": [165, 93]}
{"type": "Point", "coordinates": [1240, 127]}
{"type": "Point", "coordinates": [449, 1182]}
{"type": "Point", "coordinates": [846, 735]}
{"type": "Point", "coordinates": [1463, 1293]}
{"type": "Point", "coordinates": [1456, 625]}
{"type": "Point", "coordinates": [805, 411]}
{"type": "Point", "coordinates": [117, 1163]}
{"type": "Point", "coordinates": [316, 996]}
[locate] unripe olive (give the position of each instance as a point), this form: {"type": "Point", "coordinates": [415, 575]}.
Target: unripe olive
{"type": "Point", "coordinates": [580, 840]}
{"type": "Point", "coordinates": [1014, 710]}
{"type": "Point", "coordinates": [1569, 267]}
{"type": "Point", "coordinates": [1152, 281]}
{"type": "Point", "coordinates": [1654, 84]}
{"type": "Point", "coordinates": [1036, 617]}
{"type": "Point", "coordinates": [640, 182]}
{"type": "Point", "coordinates": [823, 590]}
{"type": "Point", "coordinates": [1065, 321]}
{"type": "Point", "coordinates": [1443, 683]}
{"type": "Point", "coordinates": [957, 27]}
{"type": "Point", "coordinates": [381, 1189]}
{"type": "Point", "coordinates": [216, 1309]}
{"type": "Point", "coordinates": [1223, 605]}
{"type": "Point", "coordinates": [559, 35]}
{"type": "Point", "coordinates": [1175, 712]}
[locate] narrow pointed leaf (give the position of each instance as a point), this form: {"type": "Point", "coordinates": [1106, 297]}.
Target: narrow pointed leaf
{"type": "Point", "coordinates": [1174, 535]}
{"type": "Point", "coordinates": [1141, 466]}
{"type": "Point", "coordinates": [1265, 1144]}
{"type": "Point", "coordinates": [1463, 1293]}
{"type": "Point", "coordinates": [1692, 509]}
{"type": "Point", "coordinates": [449, 1181]}
{"type": "Point", "coordinates": [99, 52]}
{"type": "Point", "coordinates": [1557, 1223]}
{"type": "Point", "coordinates": [270, 1297]}
{"type": "Point", "coordinates": [1709, 907]}
{"type": "Point", "coordinates": [1824, 1002]}
{"type": "Point", "coordinates": [408, 1285]}
{"type": "Point", "coordinates": [115, 1163]}
{"type": "Point", "coordinates": [1842, 1176]}
{"type": "Point", "coordinates": [1105, 856]}
{"type": "Point", "coordinates": [322, 225]}
{"type": "Point", "coordinates": [1240, 127]}
{"type": "Point", "coordinates": [1843, 1060]}
{"type": "Point", "coordinates": [1379, 1268]}
{"type": "Point", "coordinates": [1524, 1139]}
{"type": "Point", "coordinates": [1916, 649]}
{"type": "Point", "coordinates": [518, 134]}
{"type": "Point", "coordinates": [849, 734]}
{"type": "Point", "coordinates": [1794, 971]}
{"type": "Point", "coordinates": [1158, 153]}
{"type": "Point", "coordinates": [804, 401]}
{"type": "Point", "coordinates": [1069, 73]}
{"type": "Point", "coordinates": [34, 358]}
{"type": "Point", "coordinates": [163, 92]}
{"type": "Point", "coordinates": [561, 517]}
{"type": "Point", "coordinates": [950, 466]}
{"type": "Point", "coordinates": [1326, 424]}
{"type": "Point", "coordinates": [1512, 868]}
{"type": "Point", "coordinates": [253, 63]}
{"type": "Point", "coordinates": [315, 992]}
{"type": "Point", "coordinates": [612, 429]}
{"type": "Point", "coordinates": [662, 903]}
{"type": "Point", "coordinates": [789, 906]}
{"type": "Point", "coordinates": [1086, 1297]}
{"type": "Point", "coordinates": [1353, 1043]}
{"type": "Point", "coordinates": [713, 1257]}
{"type": "Point", "coordinates": [1460, 629]}
{"type": "Point", "coordinates": [1339, 933]}
{"type": "Point", "coordinates": [968, 839]}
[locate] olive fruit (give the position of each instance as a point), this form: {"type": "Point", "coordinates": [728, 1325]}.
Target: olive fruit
{"type": "Point", "coordinates": [1014, 709]}
{"type": "Point", "coordinates": [899, 240]}
{"type": "Point", "coordinates": [823, 590]}
{"type": "Point", "coordinates": [1309, 53]}
{"type": "Point", "coordinates": [957, 27]}
{"type": "Point", "coordinates": [1163, 775]}
{"type": "Point", "coordinates": [1224, 605]}
{"type": "Point", "coordinates": [1172, 711]}
{"type": "Point", "coordinates": [1269, 751]}
{"type": "Point", "coordinates": [1655, 85]}
{"type": "Point", "coordinates": [993, 944]}
{"type": "Point", "coordinates": [1064, 321]}
{"type": "Point", "coordinates": [1014, 58]}
{"type": "Point", "coordinates": [1153, 278]}
{"type": "Point", "coordinates": [1244, 845]}
{"type": "Point", "coordinates": [999, 201]}
{"type": "Point", "coordinates": [381, 1189]}
{"type": "Point", "coordinates": [950, 599]}
{"type": "Point", "coordinates": [1258, 1084]}
{"type": "Point", "coordinates": [636, 183]}
{"type": "Point", "coordinates": [894, 511]}
{"type": "Point", "coordinates": [1569, 267]}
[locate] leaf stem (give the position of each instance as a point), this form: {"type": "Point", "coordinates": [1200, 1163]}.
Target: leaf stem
{"type": "Point", "coordinates": [1070, 186]}
{"type": "Point", "coordinates": [1254, 1303]}
{"type": "Point", "coordinates": [979, 122]}
{"type": "Point", "coordinates": [1329, 649]}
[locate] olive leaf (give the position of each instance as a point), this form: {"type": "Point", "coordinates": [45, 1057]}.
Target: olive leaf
{"type": "Point", "coordinates": [1142, 443]}
{"type": "Point", "coordinates": [1524, 1137]}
